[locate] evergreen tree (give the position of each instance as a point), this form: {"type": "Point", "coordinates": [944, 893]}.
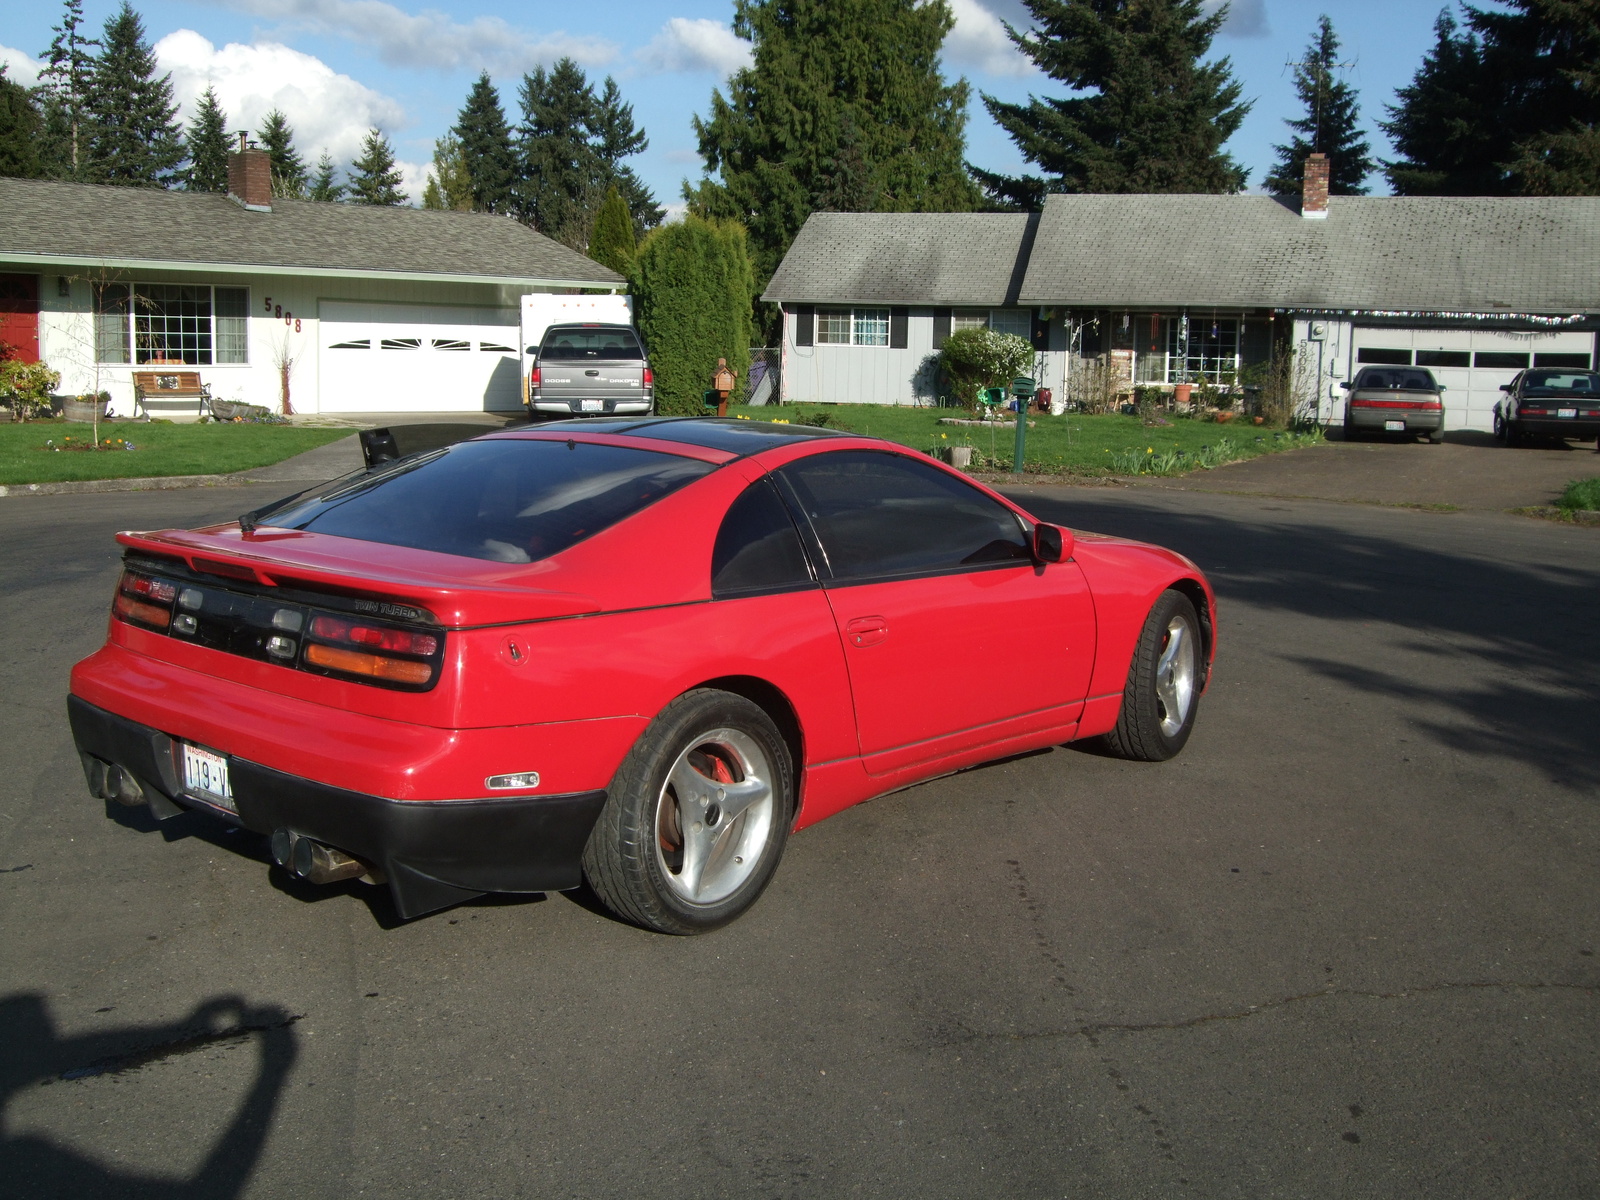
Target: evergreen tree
{"type": "Point", "coordinates": [374, 178]}
{"type": "Point", "coordinates": [64, 89]}
{"type": "Point", "coordinates": [322, 186]}
{"type": "Point", "coordinates": [134, 136]}
{"type": "Point", "coordinates": [838, 87]}
{"type": "Point", "coordinates": [613, 244]}
{"type": "Point", "coordinates": [693, 283]}
{"type": "Point", "coordinates": [1331, 126]}
{"type": "Point", "coordinates": [1156, 116]}
{"type": "Point", "coordinates": [1510, 104]}
{"type": "Point", "coordinates": [487, 152]}
{"type": "Point", "coordinates": [449, 184]}
{"type": "Point", "coordinates": [19, 131]}
{"type": "Point", "coordinates": [561, 169]}
{"type": "Point", "coordinates": [615, 138]}
{"type": "Point", "coordinates": [289, 175]}
{"type": "Point", "coordinates": [208, 146]}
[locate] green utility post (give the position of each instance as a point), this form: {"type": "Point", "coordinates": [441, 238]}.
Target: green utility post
{"type": "Point", "coordinates": [1022, 388]}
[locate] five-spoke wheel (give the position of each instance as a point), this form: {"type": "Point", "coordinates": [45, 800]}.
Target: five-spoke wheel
{"type": "Point", "coordinates": [1164, 682]}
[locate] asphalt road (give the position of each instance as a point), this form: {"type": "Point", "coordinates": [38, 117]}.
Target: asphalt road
{"type": "Point", "coordinates": [1343, 946]}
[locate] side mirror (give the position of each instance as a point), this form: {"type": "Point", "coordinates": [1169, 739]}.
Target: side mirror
{"type": "Point", "coordinates": [1051, 543]}
{"type": "Point", "coordinates": [1442, 388]}
{"type": "Point", "coordinates": [1505, 387]}
{"type": "Point", "coordinates": [1345, 385]}
{"type": "Point", "coordinates": [533, 350]}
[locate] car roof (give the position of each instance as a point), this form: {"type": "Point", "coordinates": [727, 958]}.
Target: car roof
{"type": "Point", "coordinates": [732, 434]}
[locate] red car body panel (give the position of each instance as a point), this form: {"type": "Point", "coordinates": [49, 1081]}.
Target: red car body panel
{"type": "Point", "coordinates": [559, 665]}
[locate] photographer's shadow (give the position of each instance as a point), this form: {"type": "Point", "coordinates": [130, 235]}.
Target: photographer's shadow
{"type": "Point", "coordinates": [32, 1053]}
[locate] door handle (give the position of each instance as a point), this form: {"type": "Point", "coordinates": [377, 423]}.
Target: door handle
{"type": "Point", "coordinates": [866, 631]}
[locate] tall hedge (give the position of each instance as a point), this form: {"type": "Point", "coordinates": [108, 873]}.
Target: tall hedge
{"type": "Point", "coordinates": [693, 284]}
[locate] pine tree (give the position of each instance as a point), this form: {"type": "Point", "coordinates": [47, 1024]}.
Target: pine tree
{"type": "Point", "coordinates": [489, 157]}
{"type": "Point", "coordinates": [613, 244]}
{"type": "Point", "coordinates": [693, 284]}
{"type": "Point", "coordinates": [19, 131]}
{"type": "Point", "coordinates": [560, 167]}
{"type": "Point", "coordinates": [374, 178]}
{"type": "Point", "coordinates": [208, 146]}
{"type": "Point", "coordinates": [823, 68]}
{"type": "Point", "coordinates": [289, 174]}
{"type": "Point", "coordinates": [322, 186]}
{"type": "Point", "coordinates": [1443, 121]}
{"type": "Point", "coordinates": [134, 135]}
{"type": "Point", "coordinates": [615, 138]}
{"type": "Point", "coordinates": [64, 89]}
{"type": "Point", "coordinates": [449, 184]}
{"type": "Point", "coordinates": [1331, 126]}
{"type": "Point", "coordinates": [1156, 118]}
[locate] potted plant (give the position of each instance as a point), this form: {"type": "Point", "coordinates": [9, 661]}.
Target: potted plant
{"type": "Point", "coordinates": [86, 408]}
{"type": "Point", "coordinates": [26, 387]}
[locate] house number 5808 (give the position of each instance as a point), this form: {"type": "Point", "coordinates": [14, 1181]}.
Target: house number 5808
{"type": "Point", "coordinates": [276, 310]}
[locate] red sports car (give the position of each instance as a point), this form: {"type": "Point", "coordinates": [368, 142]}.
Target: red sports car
{"type": "Point", "coordinates": [634, 652]}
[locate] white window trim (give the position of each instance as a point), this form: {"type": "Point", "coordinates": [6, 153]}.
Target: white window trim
{"type": "Point", "coordinates": [131, 329]}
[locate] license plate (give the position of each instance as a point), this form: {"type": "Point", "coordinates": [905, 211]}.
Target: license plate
{"type": "Point", "coordinates": [1394, 425]}
{"type": "Point", "coordinates": [1566, 412]}
{"type": "Point", "coordinates": [206, 774]}
{"type": "Point", "coordinates": [594, 405]}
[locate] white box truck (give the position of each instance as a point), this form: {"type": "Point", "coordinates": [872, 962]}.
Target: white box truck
{"type": "Point", "coordinates": [581, 356]}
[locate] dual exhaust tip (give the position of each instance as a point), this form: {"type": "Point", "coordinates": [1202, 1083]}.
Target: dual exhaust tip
{"type": "Point", "coordinates": [311, 860]}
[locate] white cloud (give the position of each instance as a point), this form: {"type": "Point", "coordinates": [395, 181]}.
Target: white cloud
{"type": "Point", "coordinates": [695, 44]}
{"type": "Point", "coordinates": [20, 67]}
{"type": "Point", "coordinates": [413, 178]}
{"type": "Point", "coordinates": [979, 41]}
{"type": "Point", "coordinates": [431, 39]}
{"type": "Point", "coordinates": [327, 110]}
{"type": "Point", "coordinates": [1246, 18]}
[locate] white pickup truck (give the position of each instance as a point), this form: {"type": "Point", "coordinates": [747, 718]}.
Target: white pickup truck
{"type": "Point", "coordinates": [582, 357]}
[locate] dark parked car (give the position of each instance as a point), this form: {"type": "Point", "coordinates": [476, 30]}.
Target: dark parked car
{"type": "Point", "coordinates": [1563, 404]}
{"type": "Point", "coordinates": [1404, 400]}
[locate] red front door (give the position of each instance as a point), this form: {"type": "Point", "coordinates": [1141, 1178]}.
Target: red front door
{"type": "Point", "coordinates": [19, 317]}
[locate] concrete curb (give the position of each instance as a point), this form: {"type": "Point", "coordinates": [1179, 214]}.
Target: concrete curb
{"type": "Point", "coordinates": [153, 484]}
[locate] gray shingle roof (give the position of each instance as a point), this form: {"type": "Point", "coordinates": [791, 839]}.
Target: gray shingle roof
{"type": "Point", "coordinates": [1456, 254]}
{"type": "Point", "coordinates": [114, 224]}
{"type": "Point", "coordinates": [905, 258]}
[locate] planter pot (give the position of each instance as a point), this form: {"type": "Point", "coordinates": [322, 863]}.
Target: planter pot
{"type": "Point", "coordinates": [84, 411]}
{"type": "Point", "coordinates": [1257, 420]}
{"type": "Point", "coordinates": [1224, 417]}
{"type": "Point", "coordinates": [1181, 394]}
{"type": "Point", "coordinates": [959, 457]}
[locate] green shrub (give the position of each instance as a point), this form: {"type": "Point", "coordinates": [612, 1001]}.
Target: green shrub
{"type": "Point", "coordinates": [27, 386]}
{"type": "Point", "coordinates": [1582, 494]}
{"type": "Point", "coordinates": [981, 358]}
{"type": "Point", "coordinates": [693, 284]}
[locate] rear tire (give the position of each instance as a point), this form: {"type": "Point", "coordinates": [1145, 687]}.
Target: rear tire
{"type": "Point", "coordinates": [696, 818]}
{"type": "Point", "coordinates": [1164, 680]}
{"type": "Point", "coordinates": [1435, 437]}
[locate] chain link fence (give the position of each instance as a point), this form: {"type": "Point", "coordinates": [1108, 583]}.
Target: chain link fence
{"type": "Point", "coordinates": [761, 382]}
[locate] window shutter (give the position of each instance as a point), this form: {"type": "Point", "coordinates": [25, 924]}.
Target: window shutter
{"type": "Point", "coordinates": [805, 325]}
{"type": "Point", "coordinates": [899, 320]}
{"type": "Point", "coordinates": [1041, 331]}
{"type": "Point", "coordinates": [941, 326]}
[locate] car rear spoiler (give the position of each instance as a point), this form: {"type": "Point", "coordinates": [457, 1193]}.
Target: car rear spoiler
{"type": "Point", "coordinates": [379, 446]}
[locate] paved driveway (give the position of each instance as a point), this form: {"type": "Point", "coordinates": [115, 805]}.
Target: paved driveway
{"type": "Point", "coordinates": [1342, 947]}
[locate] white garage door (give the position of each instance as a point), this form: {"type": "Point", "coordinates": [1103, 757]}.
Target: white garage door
{"type": "Point", "coordinates": [1471, 363]}
{"type": "Point", "coordinates": [417, 358]}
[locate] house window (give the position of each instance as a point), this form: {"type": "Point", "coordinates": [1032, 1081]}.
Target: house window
{"type": "Point", "coordinates": [1213, 350]}
{"type": "Point", "coordinates": [1002, 320]}
{"type": "Point", "coordinates": [852, 326]}
{"type": "Point", "coordinates": [191, 323]}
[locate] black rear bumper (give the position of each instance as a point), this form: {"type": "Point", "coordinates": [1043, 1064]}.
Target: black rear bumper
{"type": "Point", "coordinates": [433, 853]}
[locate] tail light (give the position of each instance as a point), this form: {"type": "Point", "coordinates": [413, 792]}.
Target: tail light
{"type": "Point", "coordinates": [533, 377]}
{"type": "Point", "coordinates": [392, 655]}
{"type": "Point", "coordinates": [145, 600]}
{"type": "Point", "coordinates": [649, 377]}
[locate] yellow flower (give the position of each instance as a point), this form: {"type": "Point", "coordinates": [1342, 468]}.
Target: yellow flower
{"type": "Point", "coordinates": [942, 436]}
{"type": "Point", "coordinates": [1149, 449]}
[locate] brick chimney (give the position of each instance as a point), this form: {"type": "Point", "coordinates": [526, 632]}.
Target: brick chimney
{"type": "Point", "coordinates": [250, 176]}
{"type": "Point", "coordinates": [1314, 200]}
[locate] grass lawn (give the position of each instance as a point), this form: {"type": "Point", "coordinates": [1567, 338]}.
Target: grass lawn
{"type": "Point", "coordinates": [159, 449]}
{"type": "Point", "coordinates": [1065, 445]}
{"type": "Point", "coordinates": [1581, 495]}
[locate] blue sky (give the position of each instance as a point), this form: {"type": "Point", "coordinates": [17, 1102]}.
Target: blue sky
{"type": "Point", "coordinates": [336, 66]}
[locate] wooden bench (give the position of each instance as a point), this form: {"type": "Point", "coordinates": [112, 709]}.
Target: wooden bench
{"type": "Point", "coordinates": [169, 391]}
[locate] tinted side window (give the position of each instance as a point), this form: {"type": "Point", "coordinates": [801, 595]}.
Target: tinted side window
{"type": "Point", "coordinates": [880, 514]}
{"type": "Point", "coordinates": [758, 547]}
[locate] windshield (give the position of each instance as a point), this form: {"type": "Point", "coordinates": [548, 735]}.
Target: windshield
{"type": "Point", "coordinates": [1397, 379]}
{"type": "Point", "coordinates": [571, 343]}
{"type": "Point", "coordinates": [512, 500]}
{"type": "Point", "coordinates": [1547, 382]}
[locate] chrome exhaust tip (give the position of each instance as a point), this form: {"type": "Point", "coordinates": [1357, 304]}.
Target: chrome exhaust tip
{"type": "Point", "coordinates": [312, 861]}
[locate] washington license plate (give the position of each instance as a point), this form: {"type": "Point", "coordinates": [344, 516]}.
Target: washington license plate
{"type": "Point", "coordinates": [1566, 412]}
{"type": "Point", "coordinates": [206, 774]}
{"type": "Point", "coordinates": [1394, 426]}
{"type": "Point", "coordinates": [594, 406]}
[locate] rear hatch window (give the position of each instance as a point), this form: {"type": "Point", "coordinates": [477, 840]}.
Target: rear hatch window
{"type": "Point", "coordinates": [1397, 379]}
{"type": "Point", "coordinates": [588, 343]}
{"type": "Point", "coordinates": [510, 500]}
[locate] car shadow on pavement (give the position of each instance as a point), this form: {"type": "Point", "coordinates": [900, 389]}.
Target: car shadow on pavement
{"type": "Point", "coordinates": [1533, 628]}
{"type": "Point", "coordinates": [34, 1053]}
